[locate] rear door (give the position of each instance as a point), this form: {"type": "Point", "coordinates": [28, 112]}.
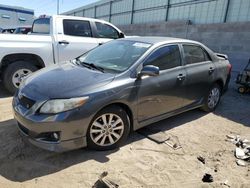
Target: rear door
{"type": "Point", "coordinates": [75, 39]}
{"type": "Point", "coordinates": [200, 72]}
{"type": "Point", "coordinates": [163, 93]}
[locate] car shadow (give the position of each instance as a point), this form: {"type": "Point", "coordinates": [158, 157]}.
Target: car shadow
{"type": "Point", "coordinates": [21, 161]}
{"type": "Point", "coordinates": [235, 106]}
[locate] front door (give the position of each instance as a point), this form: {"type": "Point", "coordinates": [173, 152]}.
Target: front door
{"type": "Point", "coordinates": [163, 93]}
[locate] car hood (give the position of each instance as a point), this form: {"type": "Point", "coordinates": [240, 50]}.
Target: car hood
{"type": "Point", "coordinates": [64, 81]}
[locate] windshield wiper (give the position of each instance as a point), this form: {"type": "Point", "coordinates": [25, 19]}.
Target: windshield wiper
{"type": "Point", "coordinates": [90, 65]}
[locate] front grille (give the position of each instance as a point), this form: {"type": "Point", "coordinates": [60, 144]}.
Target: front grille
{"type": "Point", "coordinates": [23, 129]}
{"type": "Point", "coordinates": [26, 102]}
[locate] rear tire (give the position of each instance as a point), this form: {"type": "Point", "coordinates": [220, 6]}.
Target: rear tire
{"type": "Point", "coordinates": [212, 99]}
{"type": "Point", "coordinates": [109, 129]}
{"type": "Point", "coordinates": [14, 74]}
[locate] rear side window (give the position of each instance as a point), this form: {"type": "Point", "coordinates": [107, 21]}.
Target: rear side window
{"type": "Point", "coordinates": [106, 31]}
{"type": "Point", "coordinates": [41, 26]}
{"type": "Point", "coordinates": [195, 54]}
{"type": "Point", "coordinates": [78, 28]}
{"type": "Point", "coordinates": [166, 57]}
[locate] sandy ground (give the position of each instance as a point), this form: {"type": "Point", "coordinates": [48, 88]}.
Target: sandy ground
{"type": "Point", "coordinates": [140, 162]}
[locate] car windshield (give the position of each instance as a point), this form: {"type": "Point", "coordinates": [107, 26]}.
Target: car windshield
{"type": "Point", "coordinates": [115, 56]}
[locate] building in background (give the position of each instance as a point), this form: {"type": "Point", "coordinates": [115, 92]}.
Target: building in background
{"type": "Point", "coordinates": [222, 25]}
{"type": "Point", "coordinates": [123, 12]}
{"type": "Point", "coordinates": [12, 16]}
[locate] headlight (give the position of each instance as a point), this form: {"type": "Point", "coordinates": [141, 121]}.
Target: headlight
{"type": "Point", "coordinates": [62, 105]}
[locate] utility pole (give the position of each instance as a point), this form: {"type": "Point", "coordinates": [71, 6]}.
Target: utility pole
{"type": "Point", "coordinates": [57, 7]}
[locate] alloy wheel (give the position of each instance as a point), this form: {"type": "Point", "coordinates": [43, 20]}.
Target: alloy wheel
{"type": "Point", "coordinates": [214, 97]}
{"type": "Point", "coordinates": [106, 129]}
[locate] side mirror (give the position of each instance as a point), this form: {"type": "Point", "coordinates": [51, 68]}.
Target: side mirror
{"type": "Point", "coordinates": [149, 70]}
{"type": "Point", "coordinates": [121, 35]}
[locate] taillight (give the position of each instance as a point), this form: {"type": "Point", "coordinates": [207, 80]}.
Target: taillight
{"type": "Point", "coordinates": [229, 68]}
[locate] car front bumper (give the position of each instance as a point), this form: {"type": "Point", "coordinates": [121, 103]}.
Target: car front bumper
{"type": "Point", "coordinates": [61, 146]}
{"type": "Point", "coordinates": [37, 129]}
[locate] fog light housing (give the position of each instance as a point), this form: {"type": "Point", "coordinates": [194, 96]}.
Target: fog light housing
{"type": "Point", "coordinates": [56, 136]}
{"type": "Point", "coordinates": [49, 137]}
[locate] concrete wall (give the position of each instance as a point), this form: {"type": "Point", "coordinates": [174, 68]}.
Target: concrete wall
{"type": "Point", "coordinates": [232, 39]}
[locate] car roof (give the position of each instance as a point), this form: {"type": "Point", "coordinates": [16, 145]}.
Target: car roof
{"type": "Point", "coordinates": [159, 40]}
{"type": "Point", "coordinates": [84, 18]}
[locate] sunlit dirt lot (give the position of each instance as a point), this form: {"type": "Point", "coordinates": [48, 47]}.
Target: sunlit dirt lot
{"type": "Point", "coordinates": [141, 162]}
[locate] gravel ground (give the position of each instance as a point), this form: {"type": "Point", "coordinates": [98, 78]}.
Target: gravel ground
{"type": "Point", "coordinates": [141, 162]}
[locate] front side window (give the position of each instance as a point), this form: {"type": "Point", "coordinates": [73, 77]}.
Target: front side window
{"type": "Point", "coordinates": [166, 57]}
{"type": "Point", "coordinates": [106, 31]}
{"type": "Point", "coordinates": [194, 54]}
{"type": "Point", "coordinates": [77, 28]}
{"type": "Point", "coordinates": [115, 56]}
{"type": "Point", "coordinates": [41, 26]}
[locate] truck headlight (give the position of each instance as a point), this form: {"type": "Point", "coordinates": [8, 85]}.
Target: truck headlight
{"type": "Point", "coordinates": [61, 105]}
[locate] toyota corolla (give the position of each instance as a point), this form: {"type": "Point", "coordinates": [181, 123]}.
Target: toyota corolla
{"type": "Point", "coordinates": [96, 99]}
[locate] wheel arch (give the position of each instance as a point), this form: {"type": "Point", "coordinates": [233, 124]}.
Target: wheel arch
{"type": "Point", "coordinates": [11, 58]}
{"type": "Point", "coordinates": [220, 83]}
{"type": "Point", "coordinates": [125, 107]}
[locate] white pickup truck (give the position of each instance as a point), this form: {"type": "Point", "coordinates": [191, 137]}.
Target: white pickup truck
{"type": "Point", "coordinates": [52, 40]}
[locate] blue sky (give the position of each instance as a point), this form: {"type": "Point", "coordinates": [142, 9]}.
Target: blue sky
{"type": "Point", "coordinates": [48, 7]}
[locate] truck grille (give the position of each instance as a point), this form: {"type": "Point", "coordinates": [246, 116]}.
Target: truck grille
{"type": "Point", "coordinates": [26, 102]}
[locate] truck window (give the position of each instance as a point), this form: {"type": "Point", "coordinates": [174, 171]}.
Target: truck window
{"type": "Point", "coordinates": [41, 26]}
{"type": "Point", "coordinates": [106, 31]}
{"type": "Point", "coordinates": [78, 28]}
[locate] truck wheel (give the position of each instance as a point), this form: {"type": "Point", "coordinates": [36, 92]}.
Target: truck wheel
{"type": "Point", "coordinates": [14, 74]}
{"type": "Point", "coordinates": [108, 129]}
{"type": "Point", "coordinates": [212, 99]}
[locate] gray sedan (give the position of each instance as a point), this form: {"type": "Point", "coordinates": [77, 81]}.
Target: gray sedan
{"type": "Point", "coordinates": [96, 99]}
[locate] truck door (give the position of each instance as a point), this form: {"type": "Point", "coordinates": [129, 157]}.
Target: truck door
{"type": "Point", "coordinates": [74, 38]}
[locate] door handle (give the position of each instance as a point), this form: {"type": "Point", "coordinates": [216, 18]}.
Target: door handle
{"type": "Point", "coordinates": [211, 70]}
{"type": "Point", "coordinates": [181, 77]}
{"type": "Point", "coordinates": [63, 42]}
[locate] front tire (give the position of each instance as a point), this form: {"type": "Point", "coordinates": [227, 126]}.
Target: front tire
{"type": "Point", "coordinates": [212, 99]}
{"type": "Point", "coordinates": [14, 74]}
{"type": "Point", "coordinates": [109, 129]}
